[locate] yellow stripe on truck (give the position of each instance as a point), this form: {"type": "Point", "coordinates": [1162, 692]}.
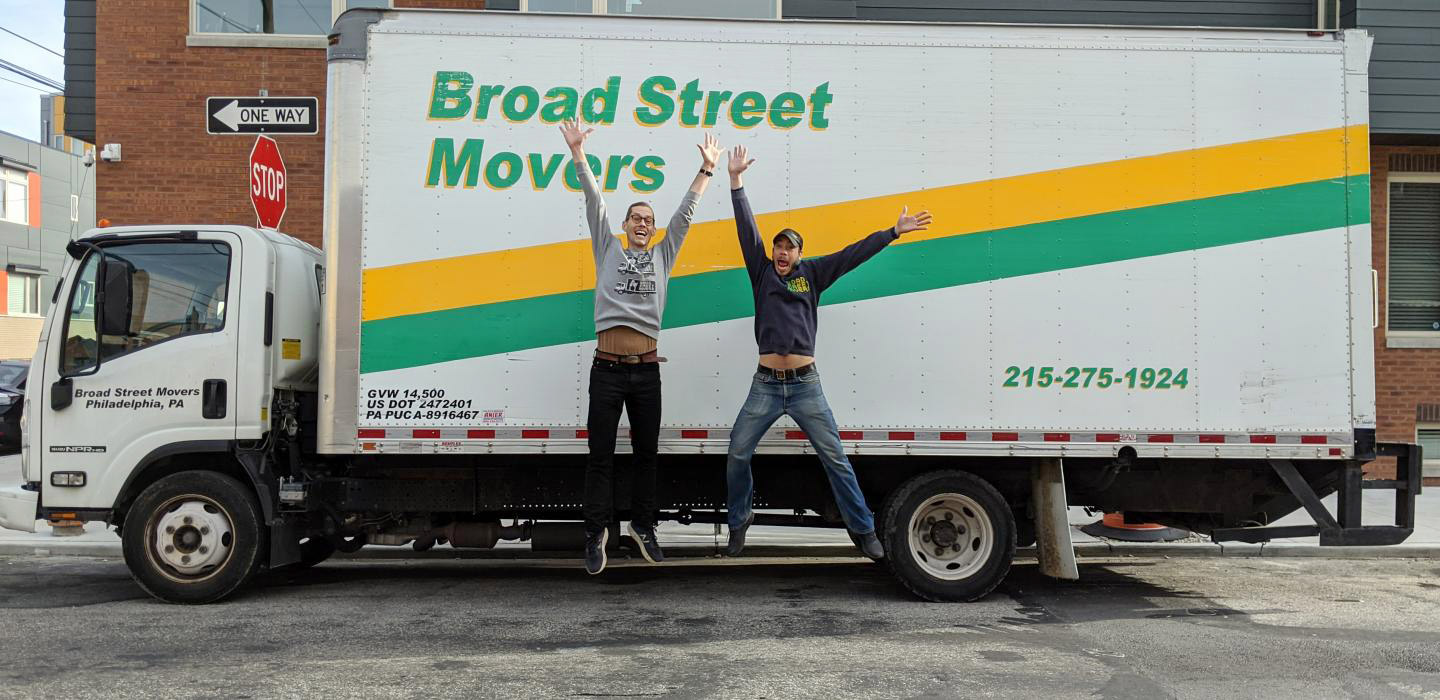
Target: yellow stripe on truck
{"type": "Point", "coordinates": [557, 268]}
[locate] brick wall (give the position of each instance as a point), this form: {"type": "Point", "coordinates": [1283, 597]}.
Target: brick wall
{"type": "Point", "coordinates": [1407, 380]}
{"type": "Point", "coordinates": [150, 98]}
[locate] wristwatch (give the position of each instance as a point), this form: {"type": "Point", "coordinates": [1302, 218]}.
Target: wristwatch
{"type": "Point", "coordinates": [707, 173]}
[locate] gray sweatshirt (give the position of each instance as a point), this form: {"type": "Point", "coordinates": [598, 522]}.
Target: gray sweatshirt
{"type": "Point", "coordinates": [630, 284]}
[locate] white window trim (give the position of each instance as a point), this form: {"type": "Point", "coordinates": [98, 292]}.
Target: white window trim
{"type": "Point", "coordinates": [1430, 465]}
{"type": "Point", "coordinates": [39, 302]}
{"type": "Point", "coordinates": [273, 41]}
{"type": "Point", "coordinates": [1404, 339]}
{"type": "Point", "coordinates": [21, 177]}
{"type": "Point", "coordinates": [601, 7]}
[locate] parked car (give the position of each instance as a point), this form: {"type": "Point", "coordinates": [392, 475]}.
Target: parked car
{"type": "Point", "coordinates": [12, 402]}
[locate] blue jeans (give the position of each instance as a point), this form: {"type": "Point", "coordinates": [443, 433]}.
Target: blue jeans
{"type": "Point", "coordinates": [803, 400]}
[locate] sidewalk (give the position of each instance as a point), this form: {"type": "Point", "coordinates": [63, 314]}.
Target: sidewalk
{"type": "Point", "coordinates": [700, 540]}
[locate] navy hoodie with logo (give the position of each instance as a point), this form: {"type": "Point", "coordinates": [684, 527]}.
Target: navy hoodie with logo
{"type": "Point", "coordinates": [785, 317]}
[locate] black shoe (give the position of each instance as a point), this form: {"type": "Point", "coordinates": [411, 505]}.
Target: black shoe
{"type": "Point", "coordinates": [595, 552]}
{"type": "Point", "coordinates": [737, 537]}
{"type": "Point", "coordinates": [649, 545]}
{"type": "Point", "coordinates": [869, 545]}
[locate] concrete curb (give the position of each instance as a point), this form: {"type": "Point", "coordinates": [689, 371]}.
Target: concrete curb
{"type": "Point", "coordinates": [1085, 550]}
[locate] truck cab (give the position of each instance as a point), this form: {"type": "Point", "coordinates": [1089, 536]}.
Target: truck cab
{"type": "Point", "coordinates": [165, 350]}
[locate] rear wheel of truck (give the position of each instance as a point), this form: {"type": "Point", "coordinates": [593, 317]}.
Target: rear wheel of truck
{"type": "Point", "coordinates": [949, 536]}
{"type": "Point", "coordinates": [193, 537]}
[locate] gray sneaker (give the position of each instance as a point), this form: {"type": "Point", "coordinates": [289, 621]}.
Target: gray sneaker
{"type": "Point", "coordinates": [869, 545]}
{"type": "Point", "coordinates": [737, 537]}
{"type": "Point", "coordinates": [648, 544]}
{"type": "Point", "coordinates": [595, 552]}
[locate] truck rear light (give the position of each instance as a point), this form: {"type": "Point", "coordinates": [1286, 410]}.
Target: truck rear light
{"type": "Point", "coordinates": [67, 479]}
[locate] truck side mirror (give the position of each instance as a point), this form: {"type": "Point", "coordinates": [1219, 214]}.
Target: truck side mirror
{"type": "Point", "coordinates": [115, 299]}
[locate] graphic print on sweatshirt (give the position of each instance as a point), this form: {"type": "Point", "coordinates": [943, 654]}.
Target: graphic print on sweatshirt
{"type": "Point", "coordinates": [637, 272]}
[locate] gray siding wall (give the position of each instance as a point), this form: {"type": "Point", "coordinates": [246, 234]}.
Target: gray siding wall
{"type": "Point", "coordinates": [1210, 13]}
{"type": "Point", "coordinates": [61, 175]}
{"type": "Point", "coordinates": [1405, 64]}
{"type": "Point", "coordinates": [80, 69]}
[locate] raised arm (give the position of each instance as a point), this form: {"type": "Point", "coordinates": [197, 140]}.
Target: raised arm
{"type": "Point", "coordinates": [680, 222]}
{"type": "Point", "coordinates": [601, 235]}
{"type": "Point", "coordinates": [752, 247]}
{"type": "Point", "coordinates": [827, 269]}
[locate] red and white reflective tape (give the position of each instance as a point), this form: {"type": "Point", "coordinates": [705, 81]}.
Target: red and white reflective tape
{"type": "Point", "coordinates": [874, 435]}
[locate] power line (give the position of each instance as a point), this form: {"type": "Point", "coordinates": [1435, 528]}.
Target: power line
{"type": "Point", "coordinates": [47, 48]}
{"type": "Point", "coordinates": [32, 87]}
{"type": "Point", "coordinates": [31, 75]}
{"type": "Point", "coordinates": [223, 18]}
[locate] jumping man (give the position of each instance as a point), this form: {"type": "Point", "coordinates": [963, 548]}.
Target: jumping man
{"type": "Point", "coordinates": [630, 282]}
{"type": "Point", "coordinates": [787, 291]}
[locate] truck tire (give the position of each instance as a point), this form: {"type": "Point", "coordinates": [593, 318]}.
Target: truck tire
{"type": "Point", "coordinates": [193, 537]}
{"type": "Point", "coordinates": [949, 536]}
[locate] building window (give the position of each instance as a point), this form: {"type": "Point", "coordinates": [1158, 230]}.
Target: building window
{"type": "Point", "coordinates": [14, 196]}
{"type": "Point", "coordinates": [22, 294]}
{"type": "Point", "coordinates": [259, 21]}
{"type": "Point", "coordinates": [1429, 438]}
{"type": "Point", "coordinates": [733, 9]}
{"type": "Point", "coordinates": [1413, 286]}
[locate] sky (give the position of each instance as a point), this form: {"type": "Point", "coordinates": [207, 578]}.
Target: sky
{"type": "Point", "coordinates": [41, 21]}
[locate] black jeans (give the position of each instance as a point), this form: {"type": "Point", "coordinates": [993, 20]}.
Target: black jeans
{"type": "Point", "coordinates": [636, 388]}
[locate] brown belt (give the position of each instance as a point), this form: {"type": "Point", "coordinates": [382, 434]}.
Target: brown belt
{"type": "Point", "coordinates": [643, 358]}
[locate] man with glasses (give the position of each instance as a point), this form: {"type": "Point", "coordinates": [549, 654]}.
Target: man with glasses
{"type": "Point", "coordinates": [630, 282]}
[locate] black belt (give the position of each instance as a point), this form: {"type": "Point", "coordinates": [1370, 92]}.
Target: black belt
{"type": "Point", "coordinates": [786, 374]}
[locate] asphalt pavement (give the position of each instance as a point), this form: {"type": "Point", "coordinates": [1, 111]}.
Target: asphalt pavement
{"type": "Point", "coordinates": [1139, 628]}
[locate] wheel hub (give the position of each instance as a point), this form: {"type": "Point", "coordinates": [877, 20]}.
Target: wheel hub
{"type": "Point", "coordinates": [193, 537]}
{"type": "Point", "coordinates": [950, 536]}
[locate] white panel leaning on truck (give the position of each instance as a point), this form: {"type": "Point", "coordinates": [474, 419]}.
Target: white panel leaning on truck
{"type": "Point", "coordinates": [1147, 290]}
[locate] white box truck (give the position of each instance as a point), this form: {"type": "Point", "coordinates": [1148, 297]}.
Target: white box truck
{"type": "Point", "coordinates": [1148, 290]}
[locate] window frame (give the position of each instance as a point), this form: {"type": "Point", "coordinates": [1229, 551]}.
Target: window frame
{"type": "Point", "coordinates": [602, 7]}
{"type": "Point", "coordinates": [1430, 464]}
{"type": "Point", "coordinates": [16, 176]}
{"type": "Point", "coordinates": [195, 37]}
{"type": "Point", "coordinates": [1404, 338]}
{"type": "Point", "coordinates": [35, 279]}
{"type": "Point", "coordinates": [75, 284]}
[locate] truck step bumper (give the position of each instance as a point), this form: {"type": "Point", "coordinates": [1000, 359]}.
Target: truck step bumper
{"type": "Point", "coordinates": [1343, 529]}
{"type": "Point", "coordinates": [18, 508]}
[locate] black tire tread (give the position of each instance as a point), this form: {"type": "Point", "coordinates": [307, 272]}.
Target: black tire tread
{"type": "Point", "coordinates": [246, 559]}
{"type": "Point", "coordinates": [896, 523]}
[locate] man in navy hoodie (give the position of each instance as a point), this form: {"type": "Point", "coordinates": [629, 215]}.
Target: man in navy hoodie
{"type": "Point", "coordinates": [787, 291]}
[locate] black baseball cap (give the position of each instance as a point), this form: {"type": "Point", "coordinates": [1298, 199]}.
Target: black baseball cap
{"type": "Point", "coordinates": [792, 235]}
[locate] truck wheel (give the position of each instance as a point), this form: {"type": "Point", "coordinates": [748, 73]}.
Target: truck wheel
{"type": "Point", "coordinates": [193, 537]}
{"type": "Point", "coordinates": [949, 536]}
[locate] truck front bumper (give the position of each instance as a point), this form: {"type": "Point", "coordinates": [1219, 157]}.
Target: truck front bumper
{"type": "Point", "coordinates": [18, 508]}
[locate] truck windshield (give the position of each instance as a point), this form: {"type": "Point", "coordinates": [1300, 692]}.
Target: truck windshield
{"type": "Point", "coordinates": [178, 289]}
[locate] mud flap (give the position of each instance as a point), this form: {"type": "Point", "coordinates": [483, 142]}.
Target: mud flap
{"type": "Point", "coordinates": [1052, 522]}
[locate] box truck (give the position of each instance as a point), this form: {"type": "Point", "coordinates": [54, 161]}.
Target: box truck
{"type": "Point", "coordinates": [1147, 290]}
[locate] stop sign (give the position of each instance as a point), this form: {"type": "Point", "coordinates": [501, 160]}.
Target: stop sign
{"type": "Point", "coordinates": [267, 182]}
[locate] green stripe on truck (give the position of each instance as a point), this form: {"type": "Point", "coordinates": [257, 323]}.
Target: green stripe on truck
{"type": "Point", "coordinates": [490, 329]}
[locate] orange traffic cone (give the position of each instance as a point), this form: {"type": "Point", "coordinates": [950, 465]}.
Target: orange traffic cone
{"type": "Point", "coordinates": [1113, 526]}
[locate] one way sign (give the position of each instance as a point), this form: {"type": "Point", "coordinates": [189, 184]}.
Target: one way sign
{"type": "Point", "coordinates": [262, 115]}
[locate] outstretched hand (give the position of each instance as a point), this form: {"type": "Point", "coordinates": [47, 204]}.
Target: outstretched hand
{"type": "Point", "coordinates": [908, 223]}
{"type": "Point", "coordinates": [574, 135]}
{"type": "Point", "coordinates": [709, 151]}
{"type": "Point", "coordinates": [738, 160]}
